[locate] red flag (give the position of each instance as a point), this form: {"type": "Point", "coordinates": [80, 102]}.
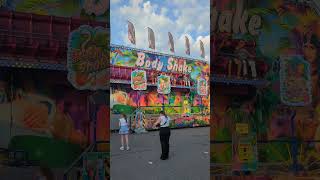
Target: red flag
{"type": "Point", "coordinates": [151, 39]}
{"type": "Point", "coordinates": [202, 49]}
{"type": "Point", "coordinates": [171, 42]}
{"type": "Point", "coordinates": [187, 45]}
{"type": "Point", "coordinates": [131, 33]}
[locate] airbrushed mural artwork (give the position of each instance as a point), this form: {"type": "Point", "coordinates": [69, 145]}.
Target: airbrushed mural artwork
{"type": "Point", "coordinates": [185, 109]}
{"type": "Point", "coordinates": [283, 114]}
{"type": "Point", "coordinates": [88, 53]}
{"type": "Point", "coordinates": [46, 121]}
{"type": "Point", "coordinates": [171, 86]}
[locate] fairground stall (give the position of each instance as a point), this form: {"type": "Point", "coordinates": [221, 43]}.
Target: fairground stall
{"type": "Point", "coordinates": [53, 120]}
{"type": "Point", "coordinates": [143, 83]}
{"type": "Point", "coordinates": [269, 130]}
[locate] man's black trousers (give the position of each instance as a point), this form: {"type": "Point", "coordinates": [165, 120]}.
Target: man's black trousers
{"type": "Point", "coordinates": [164, 139]}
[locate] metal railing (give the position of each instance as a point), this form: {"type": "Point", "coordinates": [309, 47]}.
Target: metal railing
{"type": "Point", "coordinates": [75, 162]}
{"type": "Point", "coordinates": [91, 148]}
{"type": "Point", "coordinates": [33, 35]}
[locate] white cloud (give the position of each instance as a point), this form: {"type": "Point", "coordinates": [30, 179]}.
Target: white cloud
{"type": "Point", "coordinates": [135, 3]}
{"type": "Point", "coordinates": [183, 3]}
{"type": "Point", "coordinates": [164, 11]}
{"type": "Point", "coordinates": [192, 19]}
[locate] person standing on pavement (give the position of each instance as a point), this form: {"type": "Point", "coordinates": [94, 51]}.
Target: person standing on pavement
{"type": "Point", "coordinates": [124, 131]}
{"type": "Point", "coordinates": [164, 133]}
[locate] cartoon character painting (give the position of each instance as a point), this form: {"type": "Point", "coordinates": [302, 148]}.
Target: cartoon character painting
{"type": "Point", "coordinates": [289, 36]}
{"type": "Point", "coordinates": [202, 87]}
{"type": "Point", "coordinates": [164, 84]}
{"type": "Point", "coordinates": [295, 82]}
{"type": "Point", "coordinates": [138, 80]}
{"type": "Point", "coordinates": [186, 107]}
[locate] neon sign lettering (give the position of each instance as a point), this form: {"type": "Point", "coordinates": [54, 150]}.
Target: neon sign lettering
{"type": "Point", "coordinates": [227, 21]}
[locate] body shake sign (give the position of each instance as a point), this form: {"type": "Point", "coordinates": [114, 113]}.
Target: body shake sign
{"type": "Point", "coordinates": [172, 65]}
{"type": "Point", "coordinates": [164, 63]}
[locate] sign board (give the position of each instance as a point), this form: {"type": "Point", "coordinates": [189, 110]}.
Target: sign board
{"type": "Point", "coordinates": [140, 59]}
{"type": "Point", "coordinates": [139, 80]}
{"type": "Point", "coordinates": [295, 81]}
{"type": "Point", "coordinates": [202, 87]}
{"type": "Point", "coordinates": [245, 153]}
{"type": "Point", "coordinates": [164, 84]}
{"type": "Point", "coordinates": [242, 128]}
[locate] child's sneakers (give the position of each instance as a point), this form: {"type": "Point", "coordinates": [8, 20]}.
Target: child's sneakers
{"type": "Point", "coordinates": [128, 148]}
{"type": "Point", "coordinates": [121, 148]}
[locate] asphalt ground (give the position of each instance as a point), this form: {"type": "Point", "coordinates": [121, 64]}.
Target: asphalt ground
{"type": "Point", "coordinates": [189, 157]}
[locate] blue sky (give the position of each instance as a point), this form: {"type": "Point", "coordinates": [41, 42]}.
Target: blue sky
{"type": "Point", "coordinates": [180, 17]}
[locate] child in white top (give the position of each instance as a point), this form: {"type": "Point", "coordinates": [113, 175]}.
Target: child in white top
{"type": "Point", "coordinates": [124, 131]}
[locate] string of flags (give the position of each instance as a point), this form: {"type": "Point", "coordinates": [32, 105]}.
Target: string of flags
{"type": "Point", "coordinates": [151, 40]}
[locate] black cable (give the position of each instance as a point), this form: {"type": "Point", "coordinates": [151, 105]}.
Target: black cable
{"type": "Point", "coordinates": [11, 103]}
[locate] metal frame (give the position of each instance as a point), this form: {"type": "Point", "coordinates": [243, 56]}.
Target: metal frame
{"type": "Point", "coordinates": [19, 63]}
{"type": "Point", "coordinates": [156, 53]}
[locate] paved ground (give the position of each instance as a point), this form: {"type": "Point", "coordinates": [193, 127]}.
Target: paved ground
{"type": "Point", "coordinates": [189, 156]}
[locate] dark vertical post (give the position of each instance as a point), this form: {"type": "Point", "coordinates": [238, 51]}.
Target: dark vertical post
{"type": "Point", "coordinates": [11, 102]}
{"type": "Point", "coordinates": [294, 147]}
{"type": "Point", "coordinates": [95, 110]}
{"type": "Point", "coordinates": [201, 107]}
{"type": "Point", "coordinates": [162, 102]}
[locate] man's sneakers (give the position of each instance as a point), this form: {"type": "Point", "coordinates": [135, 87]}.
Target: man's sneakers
{"type": "Point", "coordinates": [164, 158]}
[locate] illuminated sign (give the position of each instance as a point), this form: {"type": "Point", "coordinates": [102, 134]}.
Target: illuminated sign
{"type": "Point", "coordinates": [242, 128]}
{"type": "Point", "coordinates": [173, 64]}
{"type": "Point", "coordinates": [164, 84]}
{"type": "Point", "coordinates": [138, 80]}
{"type": "Point", "coordinates": [227, 21]}
{"type": "Point", "coordinates": [88, 58]}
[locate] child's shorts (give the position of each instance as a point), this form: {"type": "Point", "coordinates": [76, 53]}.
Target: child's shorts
{"type": "Point", "coordinates": [124, 130]}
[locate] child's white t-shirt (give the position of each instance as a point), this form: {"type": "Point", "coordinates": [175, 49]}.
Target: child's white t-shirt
{"type": "Point", "coordinates": [123, 122]}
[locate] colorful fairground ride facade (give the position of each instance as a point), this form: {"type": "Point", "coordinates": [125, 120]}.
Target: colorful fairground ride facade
{"type": "Point", "coordinates": [143, 83]}
{"type": "Point", "coordinates": [48, 119]}
{"type": "Point", "coordinates": [269, 130]}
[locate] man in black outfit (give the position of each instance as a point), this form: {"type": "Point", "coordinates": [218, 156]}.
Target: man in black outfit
{"type": "Point", "coordinates": [164, 133]}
